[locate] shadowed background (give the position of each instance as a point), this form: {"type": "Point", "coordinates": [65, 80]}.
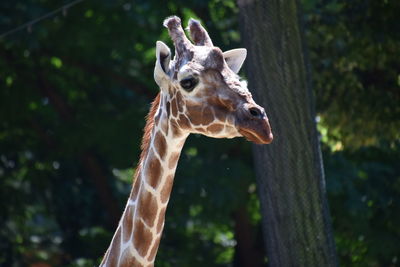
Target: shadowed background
{"type": "Point", "coordinates": [74, 91]}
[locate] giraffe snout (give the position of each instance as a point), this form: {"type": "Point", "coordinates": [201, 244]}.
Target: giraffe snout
{"type": "Point", "coordinates": [254, 125]}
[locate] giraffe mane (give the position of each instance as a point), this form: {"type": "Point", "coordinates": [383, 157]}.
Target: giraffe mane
{"type": "Point", "coordinates": [147, 132]}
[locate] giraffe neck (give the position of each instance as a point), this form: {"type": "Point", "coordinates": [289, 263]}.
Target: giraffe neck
{"type": "Point", "coordinates": [138, 235]}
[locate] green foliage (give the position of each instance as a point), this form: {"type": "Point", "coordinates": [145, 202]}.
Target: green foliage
{"type": "Point", "coordinates": [355, 55]}
{"type": "Point", "coordinates": [78, 87]}
{"type": "Point", "coordinates": [364, 197]}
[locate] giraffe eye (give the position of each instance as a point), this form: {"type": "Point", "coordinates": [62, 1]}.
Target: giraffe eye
{"type": "Point", "coordinates": [189, 83]}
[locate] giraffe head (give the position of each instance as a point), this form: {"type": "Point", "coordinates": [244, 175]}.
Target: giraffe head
{"type": "Point", "coordinates": [204, 93]}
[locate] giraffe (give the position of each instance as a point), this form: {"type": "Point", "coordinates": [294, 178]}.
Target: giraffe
{"type": "Point", "coordinates": [200, 92]}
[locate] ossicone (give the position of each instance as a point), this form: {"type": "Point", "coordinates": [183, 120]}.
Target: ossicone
{"type": "Point", "coordinates": [198, 34]}
{"type": "Point", "coordinates": [175, 30]}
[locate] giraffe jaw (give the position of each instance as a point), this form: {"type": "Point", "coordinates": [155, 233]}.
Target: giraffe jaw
{"type": "Point", "coordinates": [258, 134]}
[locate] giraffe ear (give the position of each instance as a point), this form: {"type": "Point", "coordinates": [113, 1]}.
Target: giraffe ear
{"type": "Point", "coordinates": [161, 68]}
{"type": "Point", "coordinates": [235, 58]}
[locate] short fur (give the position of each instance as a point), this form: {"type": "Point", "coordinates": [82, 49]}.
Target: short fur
{"type": "Point", "coordinates": [218, 105]}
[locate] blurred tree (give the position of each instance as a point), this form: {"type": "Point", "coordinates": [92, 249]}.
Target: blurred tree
{"type": "Point", "coordinates": [354, 51]}
{"type": "Point", "coordinates": [296, 220]}
{"type": "Point", "coordinates": [355, 55]}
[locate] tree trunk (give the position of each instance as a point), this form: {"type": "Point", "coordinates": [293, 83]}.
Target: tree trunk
{"type": "Point", "coordinates": [290, 177]}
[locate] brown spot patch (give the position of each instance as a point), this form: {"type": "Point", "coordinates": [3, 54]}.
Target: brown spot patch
{"type": "Point", "coordinates": [115, 249]}
{"type": "Point", "coordinates": [142, 238]}
{"type": "Point", "coordinates": [166, 190]}
{"type": "Point", "coordinates": [173, 159]}
{"type": "Point", "coordinates": [127, 224]}
{"type": "Point", "coordinates": [175, 128]}
{"type": "Point", "coordinates": [153, 251]}
{"type": "Point", "coordinates": [135, 188]}
{"type": "Point", "coordinates": [184, 122]}
{"type": "Point", "coordinates": [200, 130]}
{"type": "Point", "coordinates": [153, 170]}
{"type": "Point", "coordinates": [128, 260]}
{"type": "Point", "coordinates": [215, 128]}
{"type": "Point", "coordinates": [207, 116]}
{"type": "Point", "coordinates": [161, 219]}
{"type": "Point", "coordinates": [174, 108]}
{"type": "Point", "coordinates": [160, 144]}
{"type": "Point", "coordinates": [179, 101]}
{"type": "Point", "coordinates": [195, 114]}
{"type": "Point", "coordinates": [220, 115]}
{"type": "Point", "coordinates": [147, 208]}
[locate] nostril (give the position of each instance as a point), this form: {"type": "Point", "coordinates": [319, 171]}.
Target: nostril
{"type": "Point", "coordinates": [256, 112]}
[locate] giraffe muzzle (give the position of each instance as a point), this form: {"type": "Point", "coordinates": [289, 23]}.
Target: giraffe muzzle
{"type": "Point", "coordinates": [253, 124]}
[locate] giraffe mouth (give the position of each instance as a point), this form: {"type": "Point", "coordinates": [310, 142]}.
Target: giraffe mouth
{"type": "Point", "coordinates": [258, 134]}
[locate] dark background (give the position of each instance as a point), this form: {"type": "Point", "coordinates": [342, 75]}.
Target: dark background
{"type": "Point", "coordinates": [74, 91]}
